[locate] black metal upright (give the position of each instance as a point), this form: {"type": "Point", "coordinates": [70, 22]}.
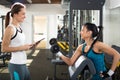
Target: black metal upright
{"type": "Point", "coordinates": [3, 17]}
{"type": "Point", "coordinates": [83, 5]}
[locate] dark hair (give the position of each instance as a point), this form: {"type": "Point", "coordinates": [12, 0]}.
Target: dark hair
{"type": "Point", "coordinates": [95, 32]}
{"type": "Point", "coordinates": [16, 7]}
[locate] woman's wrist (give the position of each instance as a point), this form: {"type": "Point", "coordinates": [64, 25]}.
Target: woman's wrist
{"type": "Point", "coordinates": [59, 54]}
{"type": "Point", "coordinates": [110, 72]}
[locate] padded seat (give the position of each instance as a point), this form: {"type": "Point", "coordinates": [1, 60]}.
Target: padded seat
{"type": "Point", "coordinates": [79, 66]}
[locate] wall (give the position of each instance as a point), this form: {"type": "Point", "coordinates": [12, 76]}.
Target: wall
{"type": "Point", "coordinates": [115, 26]}
{"type": "Point", "coordinates": [111, 22]}
{"type": "Point", "coordinates": [49, 10]}
{"type": "Point", "coordinates": [45, 9]}
{"type": "Point", "coordinates": [52, 28]}
{"type": "Point", "coordinates": [114, 4]}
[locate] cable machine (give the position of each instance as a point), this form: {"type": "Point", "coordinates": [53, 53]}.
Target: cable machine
{"type": "Point", "coordinates": [82, 5]}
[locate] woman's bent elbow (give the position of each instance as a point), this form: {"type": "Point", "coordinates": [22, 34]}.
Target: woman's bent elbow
{"type": "Point", "coordinates": [70, 64]}
{"type": "Point", "coordinates": [3, 49]}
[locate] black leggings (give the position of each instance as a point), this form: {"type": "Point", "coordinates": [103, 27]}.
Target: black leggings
{"type": "Point", "coordinates": [18, 72]}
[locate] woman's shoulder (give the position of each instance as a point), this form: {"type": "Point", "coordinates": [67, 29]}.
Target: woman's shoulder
{"type": "Point", "coordinates": [11, 26]}
{"type": "Point", "coordinates": [81, 46]}
{"type": "Point", "coordinates": [9, 29]}
{"type": "Point", "coordinates": [100, 44]}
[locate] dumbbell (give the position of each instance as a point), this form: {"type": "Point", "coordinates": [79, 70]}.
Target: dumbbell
{"type": "Point", "coordinates": [54, 48]}
{"type": "Point", "coordinates": [53, 41]}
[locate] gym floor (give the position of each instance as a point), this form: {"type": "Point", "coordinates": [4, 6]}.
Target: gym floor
{"type": "Point", "coordinates": [40, 67]}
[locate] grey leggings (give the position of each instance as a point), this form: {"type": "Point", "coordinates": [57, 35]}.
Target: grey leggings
{"type": "Point", "coordinates": [18, 72]}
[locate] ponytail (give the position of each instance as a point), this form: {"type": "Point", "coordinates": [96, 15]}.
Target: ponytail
{"type": "Point", "coordinates": [7, 19]}
{"type": "Point", "coordinates": [99, 35]}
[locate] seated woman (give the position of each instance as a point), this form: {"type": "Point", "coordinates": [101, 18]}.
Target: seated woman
{"type": "Point", "coordinates": [94, 50]}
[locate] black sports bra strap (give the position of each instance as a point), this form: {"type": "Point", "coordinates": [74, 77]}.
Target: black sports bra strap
{"type": "Point", "coordinates": [83, 48]}
{"type": "Point", "coordinates": [20, 30]}
{"type": "Point", "coordinates": [15, 34]}
{"type": "Point", "coordinates": [89, 48]}
{"type": "Point", "coordinates": [92, 45]}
